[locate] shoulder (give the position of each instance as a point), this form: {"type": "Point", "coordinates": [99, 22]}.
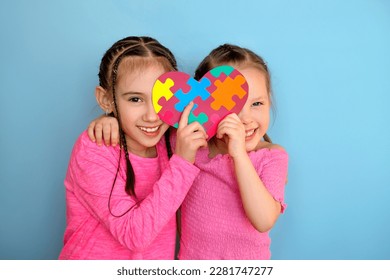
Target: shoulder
{"type": "Point", "coordinates": [273, 146]}
{"type": "Point", "coordinates": [269, 152]}
{"type": "Point", "coordinates": [85, 149]}
{"type": "Point", "coordinates": [83, 142]}
{"type": "Point", "coordinates": [270, 147]}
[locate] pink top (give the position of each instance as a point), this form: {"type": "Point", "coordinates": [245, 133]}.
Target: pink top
{"type": "Point", "coordinates": [148, 230]}
{"type": "Point", "coordinates": [214, 224]}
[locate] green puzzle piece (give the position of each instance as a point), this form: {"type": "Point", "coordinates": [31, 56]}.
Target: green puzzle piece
{"type": "Point", "coordinates": [201, 118]}
{"type": "Point", "coordinates": [216, 72]}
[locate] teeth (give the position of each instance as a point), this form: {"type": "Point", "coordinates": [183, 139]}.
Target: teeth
{"type": "Point", "coordinates": [149, 129]}
{"type": "Point", "coordinates": [249, 133]}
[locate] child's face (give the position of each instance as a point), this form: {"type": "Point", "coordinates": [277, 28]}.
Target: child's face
{"type": "Point", "coordinates": [256, 112]}
{"type": "Point", "coordinates": [141, 124]}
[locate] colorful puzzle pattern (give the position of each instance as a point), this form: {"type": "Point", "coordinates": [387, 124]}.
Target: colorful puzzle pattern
{"type": "Point", "coordinates": [223, 90]}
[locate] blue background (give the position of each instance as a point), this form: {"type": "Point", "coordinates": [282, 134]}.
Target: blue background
{"type": "Point", "coordinates": [330, 64]}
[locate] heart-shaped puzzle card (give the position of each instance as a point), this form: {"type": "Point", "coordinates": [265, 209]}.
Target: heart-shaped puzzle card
{"type": "Point", "coordinates": [221, 91]}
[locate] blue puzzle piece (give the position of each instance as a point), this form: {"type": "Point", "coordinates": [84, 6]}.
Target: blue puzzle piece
{"type": "Point", "coordinates": [197, 89]}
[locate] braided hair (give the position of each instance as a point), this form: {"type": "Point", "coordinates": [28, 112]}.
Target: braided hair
{"type": "Point", "coordinates": [132, 47]}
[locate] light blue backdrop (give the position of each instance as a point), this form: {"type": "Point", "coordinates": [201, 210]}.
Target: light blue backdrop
{"type": "Point", "coordinates": [330, 64]}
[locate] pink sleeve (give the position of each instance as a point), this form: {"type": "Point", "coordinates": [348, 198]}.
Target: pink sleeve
{"type": "Point", "coordinates": [273, 173]}
{"type": "Point", "coordinates": [90, 176]}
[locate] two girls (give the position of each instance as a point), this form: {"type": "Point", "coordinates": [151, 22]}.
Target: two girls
{"type": "Point", "coordinates": [239, 192]}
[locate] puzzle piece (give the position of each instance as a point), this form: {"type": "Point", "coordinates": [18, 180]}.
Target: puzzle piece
{"type": "Point", "coordinates": [226, 90]}
{"type": "Point", "coordinates": [213, 79]}
{"type": "Point", "coordinates": [201, 118]}
{"type": "Point", "coordinates": [234, 74]}
{"type": "Point", "coordinates": [214, 117]}
{"type": "Point", "coordinates": [197, 89]}
{"type": "Point", "coordinates": [161, 90]}
{"type": "Point", "coordinates": [212, 125]}
{"type": "Point", "coordinates": [205, 108]}
{"type": "Point", "coordinates": [225, 69]}
{"type": "Point", "coordinates": [167, 113]}
{"type": "Point", "coordinates": [180, 79]}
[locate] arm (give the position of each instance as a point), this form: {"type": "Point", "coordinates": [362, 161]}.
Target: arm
{"type": "Point", "coordinates": [189, 137]}
{"type": "Point", "coordinates": [94, 172]}
{"type": "Point", "coordinates": [260, 206]}
{"type": "Point", "coordinates": [90, 177]}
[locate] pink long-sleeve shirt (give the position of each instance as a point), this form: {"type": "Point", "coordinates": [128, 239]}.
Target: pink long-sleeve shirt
{"type": "Point", "coordinates": [148, 230]}
{"type": "Point", "coordinates": [214, 224]}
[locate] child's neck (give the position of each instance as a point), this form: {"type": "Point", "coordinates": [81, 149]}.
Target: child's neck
{"type": "Point", "coordinates": [145, 153]}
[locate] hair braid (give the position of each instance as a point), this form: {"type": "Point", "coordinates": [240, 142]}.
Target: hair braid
{"type": "Point", "coordinates": [132, 47]}
{"type": "Point", "coordinates": [130, 178]}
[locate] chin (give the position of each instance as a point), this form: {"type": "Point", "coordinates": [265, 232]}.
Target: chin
{"type": "Point", "coordinates": [252, 144]}
{"type": "Point", "coordinates": [251, 147]}
{"type": "Point", "coordinates": [152, 142]}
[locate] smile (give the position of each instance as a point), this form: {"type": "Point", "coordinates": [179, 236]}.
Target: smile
{"type": "Point", "coordinates": [149, 129]}
{"type": "Point", "coordinates": [249, 133]}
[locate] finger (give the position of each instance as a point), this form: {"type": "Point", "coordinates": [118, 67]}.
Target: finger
{"type": "Point", "coordinates": [199, 143]}
{"type": "Point", "coordinates": [232, 126]}
{"type": "Point", "coordinates": [197, 135]}
{"type": "Point", "coordinates": [194, 127]}
{"type": "Point", "coordinates": [186, 113]}
{"type": "Point", "coordinates": [196, 143]}
{"type": "Point", "coordinates": [228, 129]}
{"type": "Point", "coordinates": [91, 131]}
{"type": "Point", "coordinates": [99, 134]}
{"type": "Point", "coordinates": [107, 134]}
{"type": "Point", "coordinates": [234, 116]}
{"type": "Point", "coordinates": [231, 118]}
{"type": "Point", "coordinates": [114, 133]}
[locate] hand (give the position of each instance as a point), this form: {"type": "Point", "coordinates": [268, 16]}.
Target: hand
{"type": "Point", "coordinates": [232, 131]}
{"type": "Point", "coordinates": [104, 129]}
{"type": "Point", "coordinates": [190, 137]}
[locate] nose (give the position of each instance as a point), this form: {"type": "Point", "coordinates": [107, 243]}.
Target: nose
{"type": "Point", "coordinates": [150, 114]}
{"type": "Point", "coordinates": [245, 116]}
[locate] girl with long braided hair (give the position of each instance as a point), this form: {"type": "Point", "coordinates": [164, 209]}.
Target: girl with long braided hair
{"type": "Point", "coordinates": [122, 200]}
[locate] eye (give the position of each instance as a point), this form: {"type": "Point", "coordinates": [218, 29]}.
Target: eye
{"type": "Point", "coordinates": [256, 104]}
{"type": "Point", "coordinates": [135, 99]}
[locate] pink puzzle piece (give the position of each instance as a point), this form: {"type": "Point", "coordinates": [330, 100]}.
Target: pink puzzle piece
{"type": "Point", "coordinates": [168, 113]}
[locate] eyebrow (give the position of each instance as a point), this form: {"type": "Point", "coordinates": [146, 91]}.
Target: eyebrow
{"type": "Point", "coordinates": [262, 98]}
{"type": "Point", "coordinates": [131, 93]}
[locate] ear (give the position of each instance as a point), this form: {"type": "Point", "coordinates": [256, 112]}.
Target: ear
{"type": "Point", "coordinates": [104, 99]}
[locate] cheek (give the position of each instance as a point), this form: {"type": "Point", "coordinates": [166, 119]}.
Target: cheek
{"type": "Point", "coordinates": [126, 119]}
{"type": "Point", "coordinates": [164, 127]}
{"type": "Point", "coordinates": [265, 119]}
{"type": "Point", "coordinates": [265, 116]}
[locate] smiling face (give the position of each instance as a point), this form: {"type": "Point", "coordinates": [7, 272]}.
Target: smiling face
{"type": "Point", "coordinates": [142, 127]}
{"type": "Point", "coordinates": [255, 115]}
